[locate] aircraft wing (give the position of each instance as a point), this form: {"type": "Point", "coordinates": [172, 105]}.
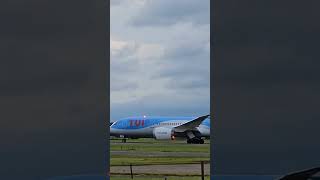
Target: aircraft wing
{"type": "Point", "coordinates": [191, 124]}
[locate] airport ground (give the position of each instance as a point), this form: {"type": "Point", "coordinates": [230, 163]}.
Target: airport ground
{"type": "Point", "coordinates": [154, 159]}
{"type": "Point", "coordinates": [158, 178]}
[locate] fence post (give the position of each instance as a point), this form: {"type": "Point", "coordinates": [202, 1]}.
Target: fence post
{"type": "Point", "coordinates": [202, 171]}
{"type": "Point", "coordinates": [131, 171]}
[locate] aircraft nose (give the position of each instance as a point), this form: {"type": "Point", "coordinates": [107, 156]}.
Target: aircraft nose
{"type": "Point", "coordinates": [111, 131]}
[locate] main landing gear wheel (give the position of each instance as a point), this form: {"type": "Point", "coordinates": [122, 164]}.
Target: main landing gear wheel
{"type": "Point", "coordinates": [124, 140]}
{"type": "Point", "coordinates": [195, 141]}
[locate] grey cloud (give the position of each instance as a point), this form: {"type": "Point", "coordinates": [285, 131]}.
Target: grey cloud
{"type": "Point", "coordinates": [122, 84]}
{"type": "Point", "coordinates": [186, 77]}
{"type": "Point", "coordinates": [116, 2]}
{"type": "Point", "coordinates": [123, 62]}
{"type": "Point", "coordinates": [185, 50]}
{"type": "Point", "coordinates": [161, 105]}
{"type": "Point", "coordinates": [185, 58]}
{"type": "Point", "coordinates": [194, 51]}
{"type": "Point", "coordinates": [166, 12]}
{"type": "Point", "coordinates": [122, 66]}
{"type": "Point", "coordinates": [186, 66]}
{"type": "Point", "coordinates": [190, 83]}
{"type": "Point", "coordinates": [182, 71]}
{"type": "Point", "coordinates": [126, 51]}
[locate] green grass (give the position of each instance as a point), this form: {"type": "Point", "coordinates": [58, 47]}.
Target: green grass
{"type": "Point", "coordinates": [151, 140]}
{"type": "Point", "coordinates": [127, 160]}
{"type": "Point", "coordinates": [161, 146]}
{"type": "Point", "coordinates": [140, 155]}
{"type": "Point", "coordinates": [115, 177]}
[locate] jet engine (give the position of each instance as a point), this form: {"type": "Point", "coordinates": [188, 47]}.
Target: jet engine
{"type": "Point", "coordinates": [163, 133]}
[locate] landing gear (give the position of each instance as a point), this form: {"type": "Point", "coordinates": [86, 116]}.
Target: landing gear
{"type": "Point", "coordinates": [124, 140]}
{"type": "Point", "coordinates": [195, 140]}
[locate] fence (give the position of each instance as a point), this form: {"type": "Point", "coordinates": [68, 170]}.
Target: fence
{"type": "Point", "coordinates": [132, 175]}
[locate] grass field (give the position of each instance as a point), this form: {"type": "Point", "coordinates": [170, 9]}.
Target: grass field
{"type": "Point", "coordinates": [127, 160]}
{"type": "Point", "coordinates": [161, 147]}
{"type": "Point", "coordinates": [144, 146]}
{"type": "Point", "coordinates": [143, 153]}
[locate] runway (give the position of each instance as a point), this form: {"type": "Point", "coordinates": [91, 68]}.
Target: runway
{"type": "Point", "coordinates": [160, 154]}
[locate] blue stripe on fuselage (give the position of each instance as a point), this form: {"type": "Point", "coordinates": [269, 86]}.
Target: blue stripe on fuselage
{"type": "Point", "coordinates": [143, 122]}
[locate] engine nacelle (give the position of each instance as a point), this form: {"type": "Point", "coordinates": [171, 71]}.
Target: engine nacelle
{"type": "Point", "coordinates": [163, 133]}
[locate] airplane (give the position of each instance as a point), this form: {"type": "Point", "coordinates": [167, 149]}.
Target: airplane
{"type": "Point", "coordinates": [163, 128]}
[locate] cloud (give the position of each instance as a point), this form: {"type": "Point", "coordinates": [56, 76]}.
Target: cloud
{"type": "Point", "coordinates": [115, 2]}
{"type": "Point", "coordinates": [169, 69]}
{"type": "Point", "coordinates": [131, 65]}
{"type": "Point", "coordinates": [160, 66]}
{"type": "Point", "coordinates": [166, 12]}
{"type": "Point", "coordinates": [160, 104]}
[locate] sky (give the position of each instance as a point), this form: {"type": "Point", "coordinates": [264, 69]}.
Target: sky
{"type": "Point", "coordinates": [159, 58]}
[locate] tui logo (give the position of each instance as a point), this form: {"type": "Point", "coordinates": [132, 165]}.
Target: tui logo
{"type": "Point", "coordinates": [136, 123]}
